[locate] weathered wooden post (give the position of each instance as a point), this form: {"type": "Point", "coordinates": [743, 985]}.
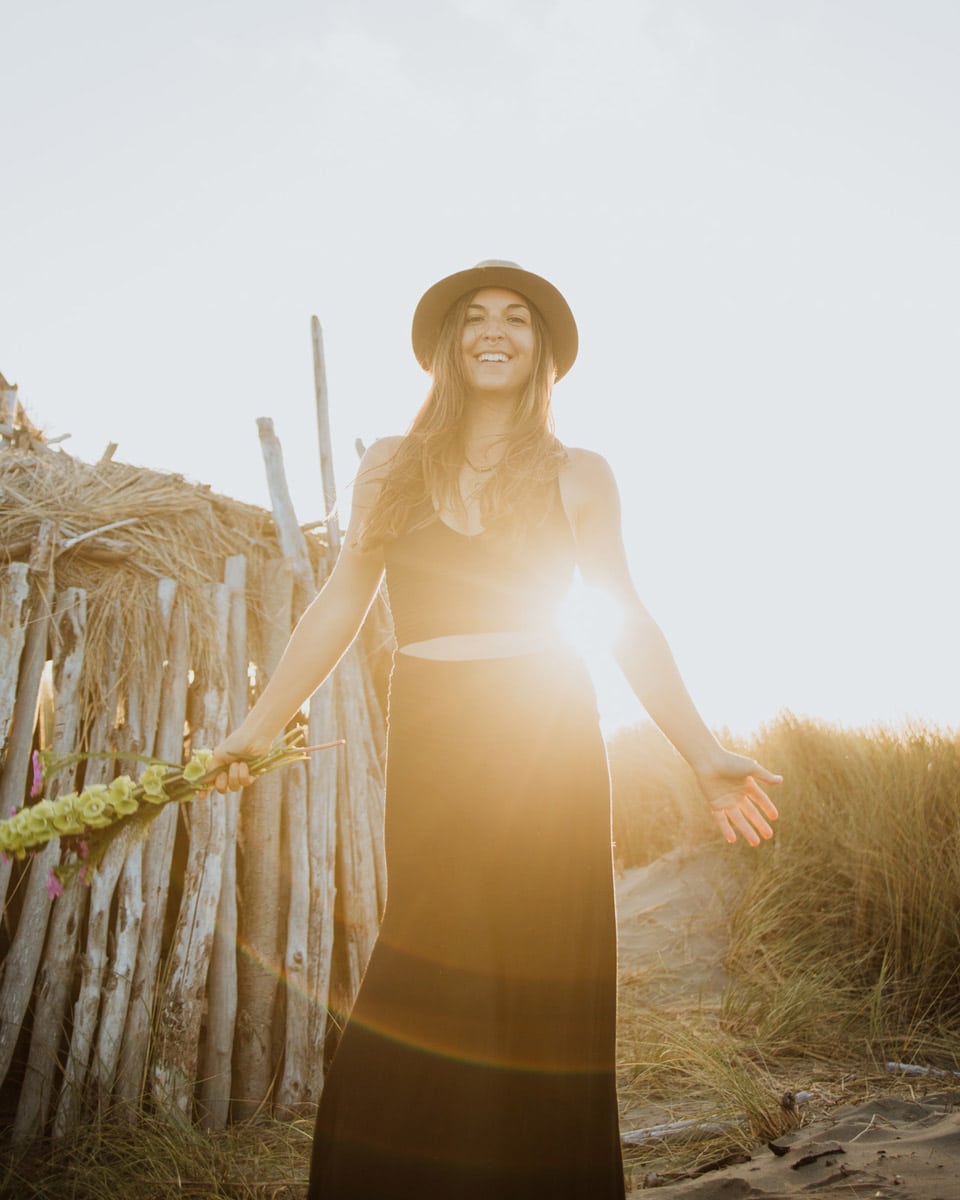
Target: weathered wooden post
{"type": "Point", "coordinates": [181, 1007]}
{"type": "Point", "coordinates": [20, 967]}
{"type": "Point", "coordinates": [157, 856]}
{"type": "Point", "coordinates": [258, 869]}
{"type": "Point", "coordinates": [32, 659]}
{"type": "Point", "coordinates": [216, 1063]}
{"type": "Point", "coordinates": [323, 435]}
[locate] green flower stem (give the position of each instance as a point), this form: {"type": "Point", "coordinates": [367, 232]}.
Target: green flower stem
{"type": "Point", "coordinates": [88, 822]}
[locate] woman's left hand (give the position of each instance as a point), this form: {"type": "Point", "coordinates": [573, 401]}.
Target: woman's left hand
{"type": "Point", "coordinates": [731, 785]}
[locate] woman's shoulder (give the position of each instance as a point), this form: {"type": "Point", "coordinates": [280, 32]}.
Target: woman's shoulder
{"type": "Point", "coordinates": [381, 452]}
{"type": "Point", "coordinates": [585, 467]}
{"type": "Point", "coordinates": [377, 459]}
{"type": "Point", "coordinates": [587, 486]}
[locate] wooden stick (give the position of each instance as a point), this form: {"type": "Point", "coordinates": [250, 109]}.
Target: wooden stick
{"type": "Point", "coordinates": [358, 853]}
{"type": "Point", "coordinates": [181, 1006]}
{"type": "Point", "coordinates": [92, 533]}
{"type": "Point", "coordinates": [14, 594]}
{"type": "Point", "coordinates": [322, 773]}
{"type": "Point", "coordinates": [293, 1093]}
{"type": "Point", "coordinates": [23, 958]}
{"type": "Point", "coordinates": [32, 661]}
{"type": "Point", "coordinates": [323, 435]}
{"type": "Point", "coordinates": [93, 960]}
{"type": "Point", "coordinates": [213, 1088]}
{"type": "Point", "coordinates": [292, 541]}
{"type": "Point", "coordinates": [259, 866]}
{"type": "Point", "coordinates": [86, 1010]}
{"type": "Point", "coordinates": [55, 977]}
{"type": "Point", "coordinates": [136, 737]}
{"type": "Point", "coordinates": [157, 855]}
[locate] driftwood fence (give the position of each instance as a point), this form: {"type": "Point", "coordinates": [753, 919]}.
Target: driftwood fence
{"type": "Point", "coordinates": [203, 968]}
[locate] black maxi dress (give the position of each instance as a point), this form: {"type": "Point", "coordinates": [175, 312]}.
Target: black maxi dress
{"type": "Point", "coordinates": [478, 1060]}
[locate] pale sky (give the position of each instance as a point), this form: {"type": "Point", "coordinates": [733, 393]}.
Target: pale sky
{"type": "Point", "coordinates": [750, 204]}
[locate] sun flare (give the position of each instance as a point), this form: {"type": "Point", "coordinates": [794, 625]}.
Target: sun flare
{"type": "Point", "coordinates": [591, 621]}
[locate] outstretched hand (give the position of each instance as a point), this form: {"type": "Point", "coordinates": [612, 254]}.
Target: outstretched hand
{"type": "Point", "coordinates": [732, 786]}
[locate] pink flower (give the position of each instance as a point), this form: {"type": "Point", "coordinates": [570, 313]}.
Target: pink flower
{"type": "Point", "coordinates": [37, 786]}
{"type": "Point", "coordinates": [82, 848]}
{"type": "Point", "coordinates": [54, 886]}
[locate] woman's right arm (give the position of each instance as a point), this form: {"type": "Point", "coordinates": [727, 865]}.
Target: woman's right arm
{"type": "Point", "coordinates": [322, 635]}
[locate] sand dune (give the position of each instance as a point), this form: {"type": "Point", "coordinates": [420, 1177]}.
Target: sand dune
{"type": "Point", "coordinates": [884, 1148]}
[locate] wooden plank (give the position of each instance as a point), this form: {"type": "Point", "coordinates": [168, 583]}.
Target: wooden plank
{"type": "Point", "coordinates": [216, 1058]}
{"type": "Point", "coordinates": [157, 855]}
{"type": "Point", "coordinates": [181, 1005]}
{"type": "Point", "coordinates": [259, 868]}
{"type": "Point", "coordinates": [23, 958]}
{"type": "Point", "coordinates": [32, 660]}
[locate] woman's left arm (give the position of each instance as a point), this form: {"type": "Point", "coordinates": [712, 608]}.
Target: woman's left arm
{"type": "Point", "coordinates": [731, 783]}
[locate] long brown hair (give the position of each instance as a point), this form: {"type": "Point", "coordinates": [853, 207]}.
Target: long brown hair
{"type": "Point", "coordinates": [425, 471]}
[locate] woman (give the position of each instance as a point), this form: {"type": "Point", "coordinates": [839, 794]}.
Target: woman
{"type": "Point", "coordinates": [479, 1057]}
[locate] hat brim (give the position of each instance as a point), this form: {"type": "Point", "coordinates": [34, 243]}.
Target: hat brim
{"type": "Point", "coordinates": [437, 301]}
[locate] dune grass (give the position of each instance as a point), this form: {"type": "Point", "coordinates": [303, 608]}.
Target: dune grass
{"type": "Point", "coordinates": [844, 941]}
{"type": "Point", "coordinates": [862, 890]}
{"type": "Point", "coordinates": [159, 1158]}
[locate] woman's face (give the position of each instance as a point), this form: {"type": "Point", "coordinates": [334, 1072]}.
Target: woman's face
{"type": "Point", "coordinates": [499, 343]}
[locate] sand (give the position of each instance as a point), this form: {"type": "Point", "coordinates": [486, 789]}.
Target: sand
{"type": "Point", "coordinates": [672, 937]}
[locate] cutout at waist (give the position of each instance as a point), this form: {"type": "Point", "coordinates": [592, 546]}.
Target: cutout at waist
{"type": "Point", "coordinates": [460, 646]}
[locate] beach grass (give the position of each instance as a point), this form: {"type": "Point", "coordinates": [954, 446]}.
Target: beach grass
{"type": "Point", "coordinates": [160, 1157]}
{"type": "Point", "coordinates": [843, 941]}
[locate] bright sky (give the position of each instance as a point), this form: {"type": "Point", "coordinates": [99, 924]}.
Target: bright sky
{"type": "Point", "coordinates": [750, 204]}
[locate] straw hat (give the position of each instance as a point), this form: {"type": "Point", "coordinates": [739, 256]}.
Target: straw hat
{"type": "Point", "coordinates": [437, 301]}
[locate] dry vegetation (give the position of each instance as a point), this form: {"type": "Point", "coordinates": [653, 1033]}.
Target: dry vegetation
{"type": "Point", "coordinates": [120, 529]}
{"type": "Point", "coordinates": [843, 942]}
{"type": "Point", "coordinates": [844, 950]}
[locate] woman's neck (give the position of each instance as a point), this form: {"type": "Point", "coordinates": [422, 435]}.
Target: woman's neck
{"type": "Point", "coordinates": [487, 421]}
{"type": "Point", "coordinates": [484, 443]}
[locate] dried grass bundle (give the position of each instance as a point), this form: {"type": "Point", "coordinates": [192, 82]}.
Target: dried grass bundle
{"type": "Point", "coordinates": [120, 529]}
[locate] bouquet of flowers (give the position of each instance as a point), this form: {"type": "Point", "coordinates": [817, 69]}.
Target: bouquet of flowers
{"type": "Point", "coordinates": [87, 822]}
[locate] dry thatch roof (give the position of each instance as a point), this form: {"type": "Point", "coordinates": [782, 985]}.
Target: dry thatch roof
{"type": "Point", "coordinates": [120, 529]}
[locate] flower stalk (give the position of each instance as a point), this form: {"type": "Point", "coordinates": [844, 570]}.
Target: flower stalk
{"type": "Point", "coordinates": [87, 822]}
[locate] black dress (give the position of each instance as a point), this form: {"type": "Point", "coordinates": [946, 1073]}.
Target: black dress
{"type": "Point", "coordinates": [478, 1060]}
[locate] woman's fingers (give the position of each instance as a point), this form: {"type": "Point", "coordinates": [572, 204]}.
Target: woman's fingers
{"type": "Point", "coordinates": [757, 794]}
{"type": "Point", "coordinates": [739, 813]}
{"type": "Point", "coordinates": [724, 822]}
{"type": "Point", "coordinates": [233, 774]}
{"type": "Point", "coordinates": [750, 813]}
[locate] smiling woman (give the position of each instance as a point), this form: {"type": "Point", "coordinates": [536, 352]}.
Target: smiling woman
{"type": "Point", "coordinates": [479, 1058]}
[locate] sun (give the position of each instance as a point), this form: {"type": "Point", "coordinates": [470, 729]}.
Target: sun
{"type": "Point", "coordinates": [590, 621]}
